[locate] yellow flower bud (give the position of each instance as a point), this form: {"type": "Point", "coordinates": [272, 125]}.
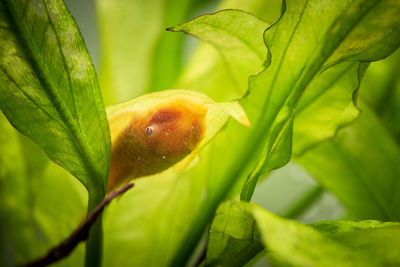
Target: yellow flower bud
{"type": "Point", "coordinates": [153, 132]}
{"type": "Point", "coordinates": [155, 138]}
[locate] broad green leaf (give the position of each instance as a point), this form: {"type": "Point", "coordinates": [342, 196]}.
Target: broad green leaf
{"type": "Point", "coordinates": [292, 244]}
{"type": "Point", "coordinates": [268, 11]}
{"type": "Point", "coordinates": [238, 228]}
{"type": "Point", "coordinates": [138, 55]}
{"type": "Point", "coordinates": [275, 92]}
{"type": "Point", "coordinates": [212, 64]}
{"type": "Point", "coordinates": [327, 106]}
{"type": "Point", "coordinates": [233, 238]}
{"type": "Point", "coordinates": [359, 166]}
{"type": "Point", "coordinates": [34, 214]}
{"type": "Point", "coordinates": [378, 240]}
{"type": "Point", "coordinates": [380, 89]}
{"type": "Point", "coordinates": [49, 89]}
{"type": "Point", "coordinates": [331, 243]}
{"type": "Point", "coordinates": [281, 103]}
{"type": "Point", "coordinates": [225, 77]}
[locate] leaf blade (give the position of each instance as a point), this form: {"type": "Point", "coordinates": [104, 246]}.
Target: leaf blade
{"type": "Point", "coordinates": [58, 87]}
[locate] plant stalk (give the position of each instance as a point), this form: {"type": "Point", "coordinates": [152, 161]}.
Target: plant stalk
{"type": "Point", "coordinates": [94, 244]}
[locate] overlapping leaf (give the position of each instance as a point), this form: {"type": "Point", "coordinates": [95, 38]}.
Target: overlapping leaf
{"type": "Point", "coordinates": [331, 243]}
{"type": "Point", "coordinates": [238, 228]}
{"type": "Point", "coordinates": [359, 166]}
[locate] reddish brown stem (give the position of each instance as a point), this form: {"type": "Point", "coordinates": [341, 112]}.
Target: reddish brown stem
{"type": "Point", "coordinates": [80, 234]}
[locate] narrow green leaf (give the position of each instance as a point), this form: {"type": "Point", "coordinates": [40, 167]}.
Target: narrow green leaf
{"type": "Point", "coordinates": [49, 90]}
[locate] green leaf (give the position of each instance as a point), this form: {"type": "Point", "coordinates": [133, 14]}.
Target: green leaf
{"type": "Point", "coordinates": [233, 238]}
{"type": "Point", "coordinates": [380, 89]}
{"type": "Point", "coordinates": [229, 32]}
{"type": "Point", "coordinates": [327, 106]}
{"type": "Point", "coordinates": [331, 243]}
{"type": "Point", "coordinates": [377, 240]}
{"type": "Point", "coordinates": [359, 167]}
{"type": "Point", "coordinates": [238, 228]}
{"type": "Point", "coordinates": [350, 164]}
{"type": "Point", "coordinates": [49, 90]}
{"type": "Point", "coordinates": [312, 58]}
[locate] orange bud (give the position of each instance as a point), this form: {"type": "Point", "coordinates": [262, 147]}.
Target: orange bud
{"type": "Point", "coordinates": [155, 138]}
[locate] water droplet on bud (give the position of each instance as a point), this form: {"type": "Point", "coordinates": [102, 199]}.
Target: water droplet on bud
{"type": "Point", "coordinates": [149, 131]}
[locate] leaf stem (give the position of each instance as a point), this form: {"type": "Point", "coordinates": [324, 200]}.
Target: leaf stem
{"type": "Point", "coordinates": [94, 244]}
